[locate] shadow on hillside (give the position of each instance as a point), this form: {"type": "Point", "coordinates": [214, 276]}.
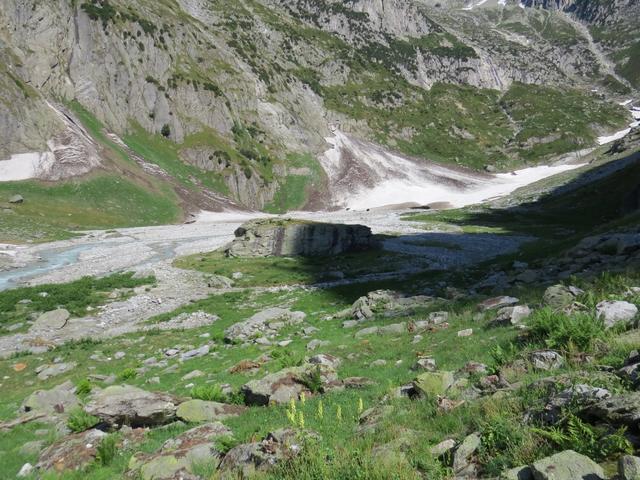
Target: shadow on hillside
{"type": "Point", "coordinates": [603, 198]}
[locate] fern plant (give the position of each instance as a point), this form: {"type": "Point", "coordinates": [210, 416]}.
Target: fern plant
{"type": "Point", "coordinates": [575, 434]}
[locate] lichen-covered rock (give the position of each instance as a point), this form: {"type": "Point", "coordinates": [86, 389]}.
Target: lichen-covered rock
{"type": "Point", "coordinates": [567, 465]}
{"type": "Point", "coordinates": [266, 238]}
{"type": "Point", "coordinates": [559, 296]}
{"type": "Point", "coordinates": [72, 452]}
{"type": "Point", "coordinates": [176, 458]}
{"type": "Point", "coordinates": [244, 460]}
{"type": "Point", "coordinates": [128, 405]}
{"type": "Point", "coordinates": [194, 411]}
{"type": "Point", "coordinates": [433, 383]}
{"type": "Point", "coordinates": [622, 410]}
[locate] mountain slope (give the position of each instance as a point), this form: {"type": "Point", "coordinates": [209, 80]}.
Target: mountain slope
{"type": "Point", "coordinates": [242, 89]}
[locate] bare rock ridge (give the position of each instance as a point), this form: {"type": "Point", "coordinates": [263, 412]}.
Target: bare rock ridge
{"type": "Point", "coordinates": [280, 238]}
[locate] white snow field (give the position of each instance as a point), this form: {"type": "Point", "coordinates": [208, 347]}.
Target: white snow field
{"type": "Point", "coordinates": [635, 113]}
{"type": "Point", "coordinates": [363, 175]}
{"type": "Point", "coordinates": [23, 166]}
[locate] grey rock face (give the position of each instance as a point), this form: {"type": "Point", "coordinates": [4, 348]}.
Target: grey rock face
{"type": "Point", "coordinates": [128, 405]}
{"type": "Point", "coordinates": [567, 465]}
{"type": "Point", "coordinates": [618, 410]}
{"type": "Point", "coordinates": [265, 238]}
{"type": "Point", "coordinates": [614, 312]}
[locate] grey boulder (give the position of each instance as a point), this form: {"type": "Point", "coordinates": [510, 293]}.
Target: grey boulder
{"type": "Point", "coordinates": [567, 465]}
{"type": "Point", "coordinates": [132, 406]}
{"type": "Point", "coordinates": [613, 312]}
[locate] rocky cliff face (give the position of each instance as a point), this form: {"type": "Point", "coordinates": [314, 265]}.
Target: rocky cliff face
{"type": "Point", "coordinates": [239, 86]}
{"type": "Point", "coordinates": [278, 238]}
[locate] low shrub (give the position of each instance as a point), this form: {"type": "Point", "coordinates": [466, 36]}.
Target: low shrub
{"type": "Point", "coordinates": [79, 420]}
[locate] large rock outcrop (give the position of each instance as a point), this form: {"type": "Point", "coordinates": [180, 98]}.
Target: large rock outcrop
{"type": "Point", "coordinates": [279, 238]}
{"type": "Point", "coordinates": [128, 405]}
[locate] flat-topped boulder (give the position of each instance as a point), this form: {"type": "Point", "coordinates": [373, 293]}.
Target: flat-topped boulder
{"type": "Point", "coordinates": [287, 237]}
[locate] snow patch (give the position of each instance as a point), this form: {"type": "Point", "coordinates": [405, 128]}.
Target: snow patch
{"type": "Point", "coordinates": [363, 175]}
{"type": "Point", "coordinates": [23, 166]}
{"type": "Point", "coordinates": [635, 113]}
{"type": "Point", "coordinates": [603, 140]}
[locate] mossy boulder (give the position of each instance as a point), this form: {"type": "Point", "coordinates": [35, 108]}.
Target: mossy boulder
{"type": "Point", "coordinates": [194, 411]}
{"type": "Point", "coordinates": [432, 384]}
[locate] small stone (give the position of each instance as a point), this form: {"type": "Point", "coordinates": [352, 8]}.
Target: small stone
{"type": "Point", "coordinates": [198, 352]}
{"type": "Point", "coordinates": [443, 447]}
{"type": "Point", "coordinates": [546, 360]}
{"type": "Point", "coordinates": [284, 343]}
{"type": "Point", "coordinates": [428, 364]}
{"type": "Point", "coordinates": [193, 374]}
{"type": "Point", "coordinates": [25, 471]}
{"type": "Point", "coordinates": [497, 302]}
{"type": "Point", "coordinates": [315, 344]}
{"type": "Point", "coordinates": [378, 363]}
{"type": "Point", "coordinates": [417, 339]}
{"type": "Point", "coordinates": [558, 296]}
{"type": "Point", "coordinates": [513, 315]}
{"type": "Point", "coordinates": [465, 333]}
{"type": "Point", "coordinates": [463, 454]}
{"type": "Point", "coordinates": [16, 199]}
{"type": "Point", "coordinates": [119, 355]}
